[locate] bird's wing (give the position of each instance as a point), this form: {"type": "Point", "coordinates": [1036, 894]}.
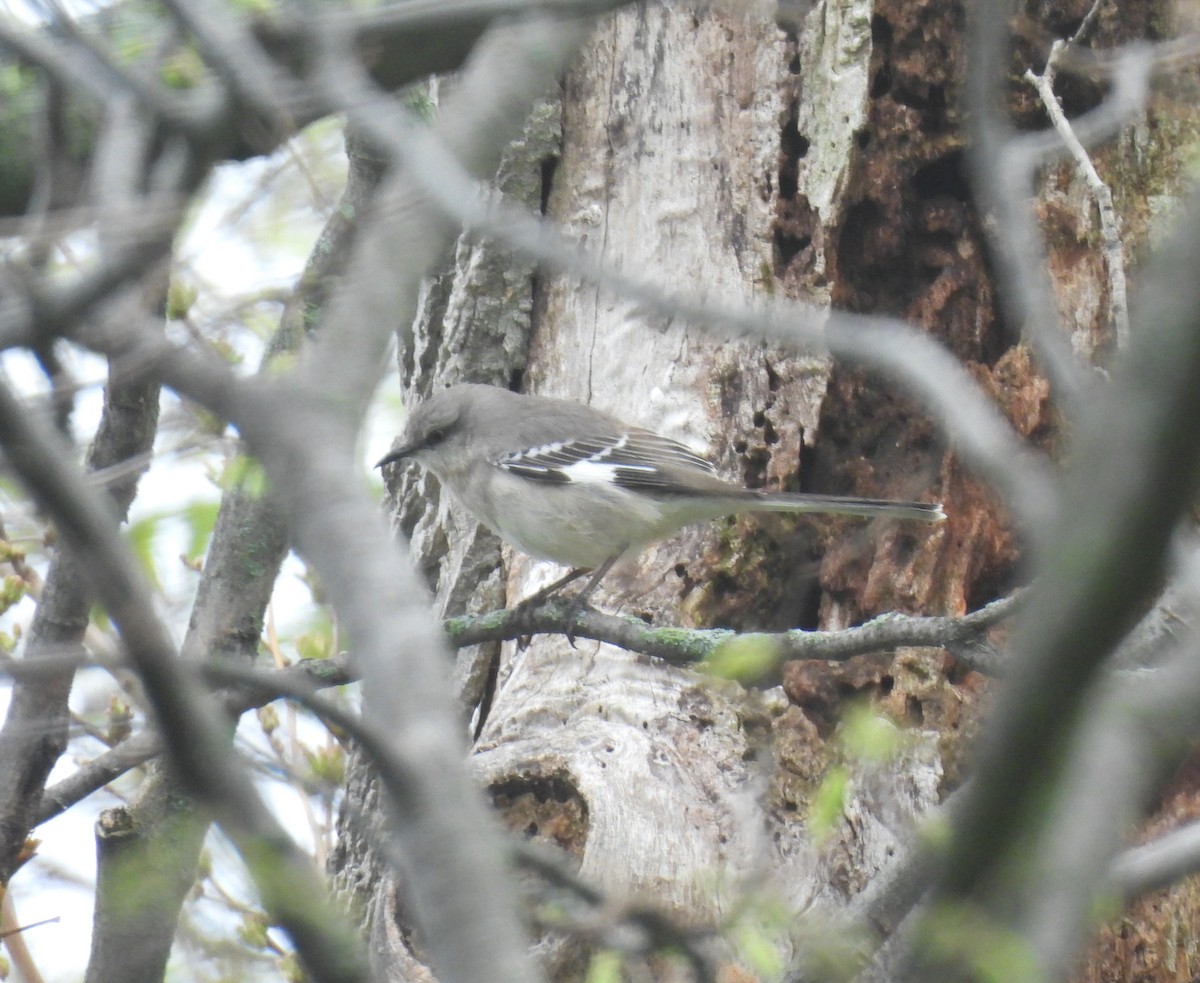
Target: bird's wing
{"type": "Point", "coordinates": [635, 459]}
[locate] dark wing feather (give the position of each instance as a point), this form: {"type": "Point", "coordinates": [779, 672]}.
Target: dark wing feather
{"type": "Point", "coordinates": [635, 459]}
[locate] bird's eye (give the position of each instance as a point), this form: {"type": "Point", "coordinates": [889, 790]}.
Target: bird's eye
{"type": "Point", "coordinates": [435, 437]}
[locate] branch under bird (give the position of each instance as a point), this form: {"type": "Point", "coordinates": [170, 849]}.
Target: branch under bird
{"type": "Point", "coordinates": [568, 483]}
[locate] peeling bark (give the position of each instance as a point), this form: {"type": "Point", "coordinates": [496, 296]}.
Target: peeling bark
{"type": "Point", "coordinates": [824, 161]}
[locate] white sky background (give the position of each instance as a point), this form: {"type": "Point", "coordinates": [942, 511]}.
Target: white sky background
{"type": "Point", "coordinates": [252, 234]}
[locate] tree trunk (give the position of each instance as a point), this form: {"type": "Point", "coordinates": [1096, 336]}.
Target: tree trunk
{"type": "Point", "coordinates": [723, 154]}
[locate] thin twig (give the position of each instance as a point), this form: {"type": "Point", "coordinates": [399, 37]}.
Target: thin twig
{"type": "Point", "coordinates": [1095, 572]}
{"type": "Point", "coordinates": [14, 938]}
{"type": "Point", "coordinates": [1002, 182]}
{"type": "Point", "coordinates": [1111, 242]}
{"type": "Point", "coordinates": [291, 889]}
{"type": "Point", "coordinates": [83, 67]}
{"type": "Point", "coordinates": [1159, 863]}
{"type": "Point", "coordinates": [676, 646]}
{"type": "Point", "coordinates": [890, 346]}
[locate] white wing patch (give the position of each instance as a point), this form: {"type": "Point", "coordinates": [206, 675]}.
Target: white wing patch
{"type": "Point", "coordinates": [634, 459]}
{"type": "Point", "coordinates": [592, 471]}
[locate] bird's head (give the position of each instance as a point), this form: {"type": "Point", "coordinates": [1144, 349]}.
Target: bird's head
{"type": "Point", "coordinates": [433, 429]}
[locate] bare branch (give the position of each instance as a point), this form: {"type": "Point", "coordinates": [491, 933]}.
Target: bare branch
{"type": "Point", "coordinates": [889, 346]}
{"type": "Point", "coordinates": [34, 312]}
{"type": "Point", "coordinates": [80, 66]}
{"type": "Point", "coordinates": [1111, 243]}
{"type": "Point", "coordinates": [1159, 863]}
{"type": "Point", "coordinates": [35, 728]}
{"type": "Point", "coordinates": [1132, 739]}
{"type": "Point", "coordinates": [93, 776]}
{"type": "Point", "coordinates": [634, 927]}
{"type": "Point", "coordinates": [1092, 588]}
{"type": "Point", "coordinates": [1002, 182]}
{"type": "Point", "coordinates": [402, 42]}
{"type": "Point", "coordinates": [1134, 732]}
{"type": "Point", "coordinates": [290, 888]}
{"type": "Point", "coordinates": [338, 528]}
{"type": "Point", "coordinates": [248, 74]}
{"type": "Point", "coordinates": [676, 646]}
{"type": "Point", "coordinates": [70, 54]}
{"type": "Point", "coordinates": [1130, 70]}
{"type": "Point", "coordinates": [682, 646]}
{"type": "Point", "coordinates": [13, 934]}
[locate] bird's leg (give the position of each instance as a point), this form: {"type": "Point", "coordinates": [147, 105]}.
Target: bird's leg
{"type": "Point", "coordinates": [536, 598]}
{"type": "Point", "coordinates": [533, 600]}
{"type": "Point", "coordinates": [578, 601]}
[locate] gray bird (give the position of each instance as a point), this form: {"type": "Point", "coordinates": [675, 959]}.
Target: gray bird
{"type": "Point", "coordinates": [568, 483]}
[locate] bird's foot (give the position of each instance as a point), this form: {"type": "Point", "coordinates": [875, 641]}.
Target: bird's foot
{"type": "Point", "coordinates": [528, 605]}
{"type": "Point", "coordinates": [574, 609]}
{"type": "Point", "coordinates": [576, 604]}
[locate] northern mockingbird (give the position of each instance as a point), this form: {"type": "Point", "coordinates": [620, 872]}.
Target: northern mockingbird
{"type": "Point", "coordinates": [568, 483]}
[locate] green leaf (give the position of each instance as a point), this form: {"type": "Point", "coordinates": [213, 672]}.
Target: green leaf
{"type": "Point", "coordinates": [867, 736]}
{"type": "Point", "coordinates": [315, 644]}
{"type": "Point", "coordinates": [268, 719]}
{"type": "Point", "coordinates": [253, 931]}
{"type": "Point", "coordinates": [246, 473]}
{"type": "Point", "coordinates": [760, 952]}
{"type": "Point", "coordinates": [201, 518]}
{"type": "Point", "coordinates": [119, 719]}
{"type": "Point", "coordinates": [281, 362]}
{"type": "Point", "coordinates": [328, 764]}
{"type": "Point", "coordinates": [184, 69]}
{"type": "Point", "coordinates": [12, 590]}
{"type": "Point", "coordinates": [829, 802]}
{"type": "Point", "coordinates": [990, 952]}
{"type": "Point", "coordinates": [141, 536]}
{"type": "Point", "coordinates": [226, 350]}
{"type": "Point", "coordinates": [180, 298]}
{"type": "Point", "coordinates": [99, 617]}
{"type": "Point", "coordinates": [745, 658]}
{"type": "Point", "coordinates": [14, 79]}
{"type": "Point", "coordinates": [418, 102]}
{"type": "Point", "coordinates": [605, 967]}
{"type": "Point", "coordinates": [293, 971]}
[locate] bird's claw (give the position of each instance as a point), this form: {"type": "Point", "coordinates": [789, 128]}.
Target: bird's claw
{"type": "Point", "coordinates": [574, 609]}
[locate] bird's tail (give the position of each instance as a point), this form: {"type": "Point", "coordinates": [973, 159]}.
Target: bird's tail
{"type": "Point", "coordinates": [870, 508]}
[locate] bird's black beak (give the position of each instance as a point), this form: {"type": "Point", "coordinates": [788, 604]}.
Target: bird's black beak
{"type": "Point", "coordinates": [397, 454]}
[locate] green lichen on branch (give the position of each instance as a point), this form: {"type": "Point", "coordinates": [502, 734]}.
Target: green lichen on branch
{"type": "Point", "coordinates": [964, 636]}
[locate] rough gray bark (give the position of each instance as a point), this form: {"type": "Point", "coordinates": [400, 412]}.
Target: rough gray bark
{"type": "Point", "coordinates": [659, 782]}
{"type": "Point", "coordinates": [736, 161]}
{"type": "Point", "coordinates": [473, 323]}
